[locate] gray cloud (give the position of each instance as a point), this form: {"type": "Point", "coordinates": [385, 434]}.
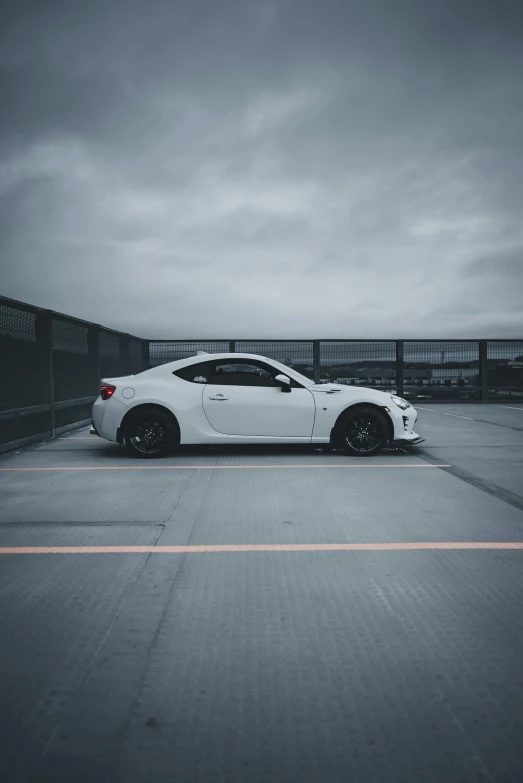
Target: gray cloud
{"type": "Point", "coordinates": [340, 169]}
{"type": "Point", "coordinates": [509, 264]}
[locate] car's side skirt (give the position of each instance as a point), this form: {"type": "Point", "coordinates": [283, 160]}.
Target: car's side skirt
{"type": "Point", "coordinates": [218, 438]}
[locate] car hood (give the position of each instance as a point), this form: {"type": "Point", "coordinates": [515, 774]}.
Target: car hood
{"type": "Point", "coordinates": [377, 395]}
{"type": "Point", "coordinates": [327, 387]}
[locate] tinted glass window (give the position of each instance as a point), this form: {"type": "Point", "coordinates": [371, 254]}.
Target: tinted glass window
{"type": "Point", "coordinates": [241, 374]}
{"type": "Point", "coordinates": [195, 373]}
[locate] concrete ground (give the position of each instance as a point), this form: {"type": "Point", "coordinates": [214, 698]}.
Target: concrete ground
{"type": "Point", "coordinates": [270, 661]}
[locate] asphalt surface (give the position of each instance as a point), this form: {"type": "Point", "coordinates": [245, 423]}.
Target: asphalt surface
{"type": "Point", "coordinates": [266, 662]}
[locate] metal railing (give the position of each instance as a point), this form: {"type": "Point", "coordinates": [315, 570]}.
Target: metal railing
{"type": "Point", "coordinates": [50, 369]}
{"type": "Point", "coordinates": [435, 370]}
{"type": "Point", "coordinates": [51, 365]}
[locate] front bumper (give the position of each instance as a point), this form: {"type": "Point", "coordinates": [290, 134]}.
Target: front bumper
{"type": "Point", "coordinates": [404, 422]}
{"type": "Point", "coordinates": [410, 439]}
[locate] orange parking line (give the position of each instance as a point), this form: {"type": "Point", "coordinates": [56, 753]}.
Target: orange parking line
{"type": "Point", "coordinates": [219, 467]}
{"type": "Point", "coordinates": [98, 550]}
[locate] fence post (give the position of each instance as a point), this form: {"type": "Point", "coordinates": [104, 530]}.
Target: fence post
{"type": "Point", "coordinates": [93, 343]}
{"type": "Point", "coordinates": [483, 370]}
{"type": "Point", "coordinates": [232, 346]}
{"type": "Point", "coordinates": [400, 375]}
{"type": "Point", "coordinates": [316, 360]}
{"type": "Point", "coordinates": [44, 343]}
{"type": "Point", "coordinates": [124, 341]}
{"type": "Point", "coordinates": [146, 359]}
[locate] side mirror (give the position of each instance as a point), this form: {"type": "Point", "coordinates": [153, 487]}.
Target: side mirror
{"type": "Point", "coordinates": [284, 382]}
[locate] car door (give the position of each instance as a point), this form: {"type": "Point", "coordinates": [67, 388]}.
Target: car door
{"type": "Point", "coordinates": [242, 398]}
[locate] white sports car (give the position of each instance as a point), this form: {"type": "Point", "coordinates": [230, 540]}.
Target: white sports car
{"type": "Point", "coordinates": [241, 398]}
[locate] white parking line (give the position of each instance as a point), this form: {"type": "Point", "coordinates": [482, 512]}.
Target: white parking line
{"type": "Point", "coordinates": [446, 414]}
{"type": "Point", "coordinates": [512, 408]}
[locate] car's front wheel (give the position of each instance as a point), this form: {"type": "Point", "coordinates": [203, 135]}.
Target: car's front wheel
{"type": "Point", "coordinates": [362, 432]}
{"type": "Point", "coordinates": [150, 433]}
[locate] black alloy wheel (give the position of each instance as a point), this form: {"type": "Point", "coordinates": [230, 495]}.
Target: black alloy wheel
{"type": "Point", "coordinates": [150, 434]}
{"type": "Point", "coordinates": [363, 433]}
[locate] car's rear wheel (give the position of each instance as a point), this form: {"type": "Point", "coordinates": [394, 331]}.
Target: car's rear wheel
{"type": "Point", "coordinates": [151, 433]}
{"type": "Point", "coordinates": [362, 432]}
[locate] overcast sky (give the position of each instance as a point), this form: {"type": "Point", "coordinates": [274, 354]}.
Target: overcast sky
{"type": "Point", "coordinates": [287, 168]}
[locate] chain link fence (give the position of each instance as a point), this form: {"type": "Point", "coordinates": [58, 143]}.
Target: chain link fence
{"type": "Point", "coordinates": [51, 366]}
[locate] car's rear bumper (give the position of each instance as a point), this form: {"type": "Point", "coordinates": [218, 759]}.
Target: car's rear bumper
{"type": "Point", "coordinates": [107, 417]}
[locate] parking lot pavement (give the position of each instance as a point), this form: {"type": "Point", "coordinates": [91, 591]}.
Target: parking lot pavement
{"type": "Point", "coordinates": [154, 658]}
{"type": "Point", "coordinates": [484, 442]}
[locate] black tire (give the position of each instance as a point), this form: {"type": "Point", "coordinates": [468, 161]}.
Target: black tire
{"type": "Point", "coordinates": [150, 433]}
{"type": "Point", "coordinates": [362, 432]}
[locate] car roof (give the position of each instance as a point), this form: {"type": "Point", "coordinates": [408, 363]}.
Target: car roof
{"type": "Point", "coordinates": [212, 357]}
{"type": "Point", "coordinates": [171, 367]}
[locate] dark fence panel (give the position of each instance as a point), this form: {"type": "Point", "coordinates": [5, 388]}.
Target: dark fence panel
{"type": "Point", "coordinates": [73, 414]}
{"type": "Point", "coordinates": [20, 371]}
{"type": "Point", "coordinates": [298, 354]}
{"type": "Point", "coordinates": [72, 365]}
{"type": "Point", "coordinates": [505, 369]}
{"type": "Point", "coordinates": [359, 363]}
{"type": "Point", "coordinates": [111, 359]}
{"type": "Point", "coordinates": [24, 425]}
{"type": "Point", "coordinates": [163, 351]}
{"type": "Point", "coordinates": [50, 370]}
{"type": "Point", "coordinates": [441, 370]}
{"type": "Point", "coordinates": [136, 364]}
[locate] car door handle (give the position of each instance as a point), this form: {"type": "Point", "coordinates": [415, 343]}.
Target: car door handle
{"type": "Point", "coordinates": [219, 398]}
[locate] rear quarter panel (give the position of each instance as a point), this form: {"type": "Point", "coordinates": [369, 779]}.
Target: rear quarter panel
{"type": "Point", "coordinates": [182, 398]}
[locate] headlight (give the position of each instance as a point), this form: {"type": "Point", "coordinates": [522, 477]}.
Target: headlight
{"type": "Point", "coordinates": [403, 404]}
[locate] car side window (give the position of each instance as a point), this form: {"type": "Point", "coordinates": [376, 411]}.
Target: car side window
{"type": "Point", "coordinates": [195, 373]}
{"type": "Point", "coordinates": [241, 374]}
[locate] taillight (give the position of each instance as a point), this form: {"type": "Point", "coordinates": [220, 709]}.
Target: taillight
{"type": "Point", "coordinates": [106, 391]}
